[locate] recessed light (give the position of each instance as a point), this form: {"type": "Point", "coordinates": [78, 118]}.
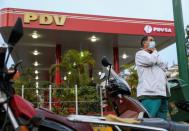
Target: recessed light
{"type": "Point", "coordinates": [37, 91]}
{"type": "Point", "coordinates": [124, 56]}
{"type": "Point", "coordinates": [36, 72]}
{"type": "Point", "coordinates": [37, 77]}
{"type": "Point", "coordinates": [93, 38]}
{"type": "Point", "coordinates": [65, 78]}
{"type": "Point", "coordinates": [74, 64]}
{"type": "Point", "coordinates": [81, 53]}
{"type": "Point", "coordinates": [36, 63]}
{"type": "Point", "coordinates": [35, 35]}
{"type": "Point", "coordinates": [36, 52]}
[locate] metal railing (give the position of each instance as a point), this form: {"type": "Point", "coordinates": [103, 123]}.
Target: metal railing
{"type": "Point", "coordinates": [77, 100]}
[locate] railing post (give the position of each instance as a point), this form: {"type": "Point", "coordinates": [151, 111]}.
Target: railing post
{"type": "Point", "coordinates": [50, 97]}
{"type": "Point", "coordinates": [76, 100]}
{"type": "Point", "coordinates": [101, 102]}
{"type": "Point", "coordinates": [22, 91]}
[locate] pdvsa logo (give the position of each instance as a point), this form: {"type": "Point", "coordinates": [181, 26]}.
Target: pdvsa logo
{"type": "Point", "coordinates": [149, 29]}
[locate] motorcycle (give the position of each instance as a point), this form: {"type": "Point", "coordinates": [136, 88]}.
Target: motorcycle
{"type": "Point", "coordinates": [17, 113]}
{"type": "Point", "coordinates": [118, 94]}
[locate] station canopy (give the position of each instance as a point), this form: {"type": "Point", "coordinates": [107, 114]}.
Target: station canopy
{"type": "Point", "coordinates": [76, 31]}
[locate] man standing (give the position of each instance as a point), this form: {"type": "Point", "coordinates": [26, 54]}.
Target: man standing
{"type": "Point", "coordinates": [152, 86]}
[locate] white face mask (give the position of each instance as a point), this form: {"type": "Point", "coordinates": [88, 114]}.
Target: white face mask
{"type": "Point", "coordinates": [152, 44]}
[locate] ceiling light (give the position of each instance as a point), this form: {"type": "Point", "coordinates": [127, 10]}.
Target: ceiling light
{"type": "Point", "coordinates": [65, 78]}
{"type": "Point", "coordinates": [81, 53]}
{"type": "Point", "coordinates": [37, 92]}
{"type": "Point", "coordinates": [99, 73]}
{"type": "Point", "coordinates": [93, 38]}
{"type": "Point", "coordinates": [36, 72]}
{"type": "Point", "coordinates": [124, 56]}
{"type": "Point", "coordinates": [35, 35]}
{"type": "Point", "coordinates": [36, 77]}
{"type": "Point", "coordinates": [36, 63]}
{"type": "Point", "coordinates": [36, 52]}
{"type": "Point", "coordinates": [69, 73]}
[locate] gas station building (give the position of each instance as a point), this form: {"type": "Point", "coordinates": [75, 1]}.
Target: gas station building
{"type": "Point", "coordinates": [50, 34]}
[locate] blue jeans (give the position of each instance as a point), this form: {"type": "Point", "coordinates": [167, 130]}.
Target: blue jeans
{"type": "Point", "coordinates": [157, 107]}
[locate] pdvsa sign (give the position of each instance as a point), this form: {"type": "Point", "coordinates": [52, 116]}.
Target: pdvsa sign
{"type": "Point", "coordinates": [149, 29]}
{"type": "Point", "coordinates": [44, 19]}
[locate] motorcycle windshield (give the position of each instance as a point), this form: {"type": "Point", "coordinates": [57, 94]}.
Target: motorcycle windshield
{"type": "Point", "coordinates": [123, 83]}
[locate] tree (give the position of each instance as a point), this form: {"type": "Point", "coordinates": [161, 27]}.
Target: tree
{"type": "Point", "coordinates": [75, 65]}
{"type": "Point", "coordinates": [26, 79]}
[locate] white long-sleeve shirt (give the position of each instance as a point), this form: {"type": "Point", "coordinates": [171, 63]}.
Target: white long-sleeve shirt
{"type": "Point", "coordinates": [151, 73]}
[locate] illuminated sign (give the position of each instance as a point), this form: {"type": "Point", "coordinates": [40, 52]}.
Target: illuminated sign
{"type": "Point", "coordinates": [44, 19]}
{"type": "Point", "coordinates": [149, 29]}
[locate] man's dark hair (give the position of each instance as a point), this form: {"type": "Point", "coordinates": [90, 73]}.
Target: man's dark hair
{"type": "Point", "coordinates": [145, 38]}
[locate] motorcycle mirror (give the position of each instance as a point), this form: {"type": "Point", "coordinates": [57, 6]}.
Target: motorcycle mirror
{"type": "Point", "coordinates": [16, 33]}
{"type": "Point", "coordinates": [105, 62]}
{"type": "Point", "coordinates": [17, 64]}
{"type": "Point", "coordinates": [12, 71]}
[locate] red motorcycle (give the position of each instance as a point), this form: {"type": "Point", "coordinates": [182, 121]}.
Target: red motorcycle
{"type": "Point", "coordinates": [17, 113]}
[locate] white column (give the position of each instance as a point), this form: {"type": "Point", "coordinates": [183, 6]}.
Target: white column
{"type": "Point", "coordinates": [50, 97]}
{"type": "Point", "coordinates": [22, 91]}
{"type": "Point", "coordinates": [101, 102]}
{"type": "Point", "coordinates": [76, 100]}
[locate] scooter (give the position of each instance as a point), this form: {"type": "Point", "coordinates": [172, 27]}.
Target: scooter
{"type": "Point", "coordinates": [17, 113]}
{"type": "Point", "coordinates": [118, 95]}
{"type": "Point", "coordinates": [117, 92]}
